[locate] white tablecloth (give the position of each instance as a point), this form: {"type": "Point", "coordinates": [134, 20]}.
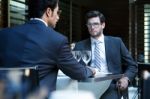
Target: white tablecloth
{"type": "Point", "coordinates": [97, 88]}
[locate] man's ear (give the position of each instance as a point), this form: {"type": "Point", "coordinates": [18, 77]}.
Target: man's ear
{"type": "Point", "coordinates": [48, 12]}
{"type": "Point", "coordinates": [103, 25]}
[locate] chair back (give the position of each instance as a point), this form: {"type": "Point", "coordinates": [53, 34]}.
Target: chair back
{"type": "Point", "coordinates": [18, 81]}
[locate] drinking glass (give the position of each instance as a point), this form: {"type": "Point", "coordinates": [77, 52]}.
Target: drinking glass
{"type": "Point", "coordinates": [86, 56]}
{"type": "Point", "coordinates": [77, 55]}
{"type": "Point", "coordinates": [72, 45]}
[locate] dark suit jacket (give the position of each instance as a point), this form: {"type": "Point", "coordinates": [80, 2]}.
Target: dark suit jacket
{"type": "Point", "coordinates": [33, 44]}
{"type": "Point", "coordinates": [118, 58]}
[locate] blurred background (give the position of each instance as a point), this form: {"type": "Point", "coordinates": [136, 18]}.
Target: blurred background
{"type": "Point", "coordinates": [128, 19]}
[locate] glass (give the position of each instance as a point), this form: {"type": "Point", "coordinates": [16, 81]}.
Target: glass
{"type": "Point", "coordinates": [72, 45]}
{"type": "Point", "coordinates": [77, 55]}
{"type": "Point", "coordinates": [86, 56]}
{"type": "Point", "coordinates": [96, 24]}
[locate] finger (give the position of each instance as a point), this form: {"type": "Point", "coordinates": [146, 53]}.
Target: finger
{"type": "Point", "coordinates": [118, 84]}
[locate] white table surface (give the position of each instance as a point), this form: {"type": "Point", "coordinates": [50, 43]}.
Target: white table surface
{"type": "Point", "coordinates": [94, 85]}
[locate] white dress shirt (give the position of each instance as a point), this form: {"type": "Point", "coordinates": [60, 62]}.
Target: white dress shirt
{"type": "Point", "coordinates": [104, 67]}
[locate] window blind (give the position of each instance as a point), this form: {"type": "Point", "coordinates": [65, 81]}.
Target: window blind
{"type": "Point", "coordinates": [147, 33]}
{"type": "Point", "coordinates": [17, 12]}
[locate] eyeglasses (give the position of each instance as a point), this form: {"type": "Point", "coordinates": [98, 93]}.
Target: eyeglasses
{"type": "Point", "coordinates": [96, 24]}
{"type": "Point", "coordinates": [59, 12]}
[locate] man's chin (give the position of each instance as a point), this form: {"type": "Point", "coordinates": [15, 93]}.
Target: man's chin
{"type": "Point", "coordinates": [53, 26]}
{"type": "Point", "coordinates": [95, 35]}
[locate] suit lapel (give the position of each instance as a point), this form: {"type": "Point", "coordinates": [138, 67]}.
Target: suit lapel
{"type": "Point", "coordinates": [88, 44]}
{"type": "Point", "coordinates": [107, 52]}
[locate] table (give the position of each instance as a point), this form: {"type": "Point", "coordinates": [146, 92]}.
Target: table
{"type": "Point", "coordinates": [97, 85]}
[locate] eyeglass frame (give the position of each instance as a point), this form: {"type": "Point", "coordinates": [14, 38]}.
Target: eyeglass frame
{"type": "Point", "coordinates": [95, 24]}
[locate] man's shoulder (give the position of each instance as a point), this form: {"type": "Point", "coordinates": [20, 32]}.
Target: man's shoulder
{"type": "Point", "coordinates": [113, 38]}
{"type": "Point", "coordinates": [82, 45]}
{"type": "Point", "coordinates": [58, 35]}
{"type": "Point", "coordinates": [83, 41]}
{"type": "Point", "coordinates": [8, 29]}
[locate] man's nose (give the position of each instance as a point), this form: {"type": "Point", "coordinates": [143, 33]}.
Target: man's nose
{"type": "Point", "coordinates": [92, 27]}
{"type": "Point", "coordinates": [57, 17]}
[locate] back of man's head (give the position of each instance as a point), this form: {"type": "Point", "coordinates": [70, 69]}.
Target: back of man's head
{"type": "Point", "coordinates": [38, 7]}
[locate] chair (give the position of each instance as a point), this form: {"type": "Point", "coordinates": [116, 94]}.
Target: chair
{"type": "Point", "coordinates": [18, 81]}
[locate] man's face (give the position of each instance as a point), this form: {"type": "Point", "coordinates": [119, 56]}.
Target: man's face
{"type": "Point", "coordinates": [95, 27]}
{"type": "Point", "coordinates": [54, 17]}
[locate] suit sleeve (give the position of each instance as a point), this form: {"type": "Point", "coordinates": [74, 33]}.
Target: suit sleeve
{"type": "Point", "coordinates": [128, 62]}
{"type": "Point", "coordinates": [69, 65]}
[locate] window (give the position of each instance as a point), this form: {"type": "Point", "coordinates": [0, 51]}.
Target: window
{"type": "Point", "coordinates": [147, 33]}
{"type": "Point", "coordinates": [69, 23]}
{"type": "Point", "coordinates": [13, 12]}
{"type": "Point", "coordinates": [18, 12]}
{"type": "Point", "coordinates": [141, 30]}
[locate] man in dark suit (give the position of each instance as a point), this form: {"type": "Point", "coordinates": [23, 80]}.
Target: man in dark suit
{"type": "Point", "coordinates": [112, 56]}
{"type": "Point", "coordinates": [37, 43]}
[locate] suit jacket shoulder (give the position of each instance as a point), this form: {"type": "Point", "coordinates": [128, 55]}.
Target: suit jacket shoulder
{"type": "Point", "coordinates": [112, 38]}
{"type": "Point", "coordinates": [83, 45]}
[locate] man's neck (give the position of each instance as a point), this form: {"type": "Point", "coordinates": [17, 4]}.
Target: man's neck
{"type": "Point", "coordinates": [40, 20]}
{"type": "Point", "coordinates": [101, 36]}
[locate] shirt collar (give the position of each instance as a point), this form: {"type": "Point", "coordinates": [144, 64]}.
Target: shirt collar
{"type": "Point", "coordinates": [100, 39]}
{"type": "Point", "coordinates": [39, 20]}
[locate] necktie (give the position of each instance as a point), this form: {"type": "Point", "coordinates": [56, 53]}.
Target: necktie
{"type": "Point", "coordinates": [99, 55]}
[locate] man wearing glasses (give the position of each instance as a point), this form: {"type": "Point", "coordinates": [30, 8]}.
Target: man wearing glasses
{"type": "Point", "coordinates": [109, 55]}
{"type": "Point", "coordinates": [36, 43]}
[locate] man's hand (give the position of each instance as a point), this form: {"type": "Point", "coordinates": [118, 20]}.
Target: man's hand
{"type": "Point", "coordinates": [93, 70]}
{"type": "Point", "coordinates": [122, 84]}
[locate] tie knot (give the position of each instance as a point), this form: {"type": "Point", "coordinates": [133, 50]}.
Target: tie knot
{"type": "Point", "coordinates": [98, 42]}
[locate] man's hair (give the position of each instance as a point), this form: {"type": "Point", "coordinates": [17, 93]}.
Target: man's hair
{"type": "Point", "coordinates": [95, 13]}
{"type": "Point", "coordinates": [38, 7]}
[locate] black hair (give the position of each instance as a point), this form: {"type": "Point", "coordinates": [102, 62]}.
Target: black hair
{"type": "Point", "coordinates": [38, 7]}
{"type": "Point", "coordinates": [95, 13]}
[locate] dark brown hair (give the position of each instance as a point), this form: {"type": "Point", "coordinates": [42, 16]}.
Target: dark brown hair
{"type": "Point", "coordinates": [38, 7]}
{"type": "Point", "coordinates": [95, 13]}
